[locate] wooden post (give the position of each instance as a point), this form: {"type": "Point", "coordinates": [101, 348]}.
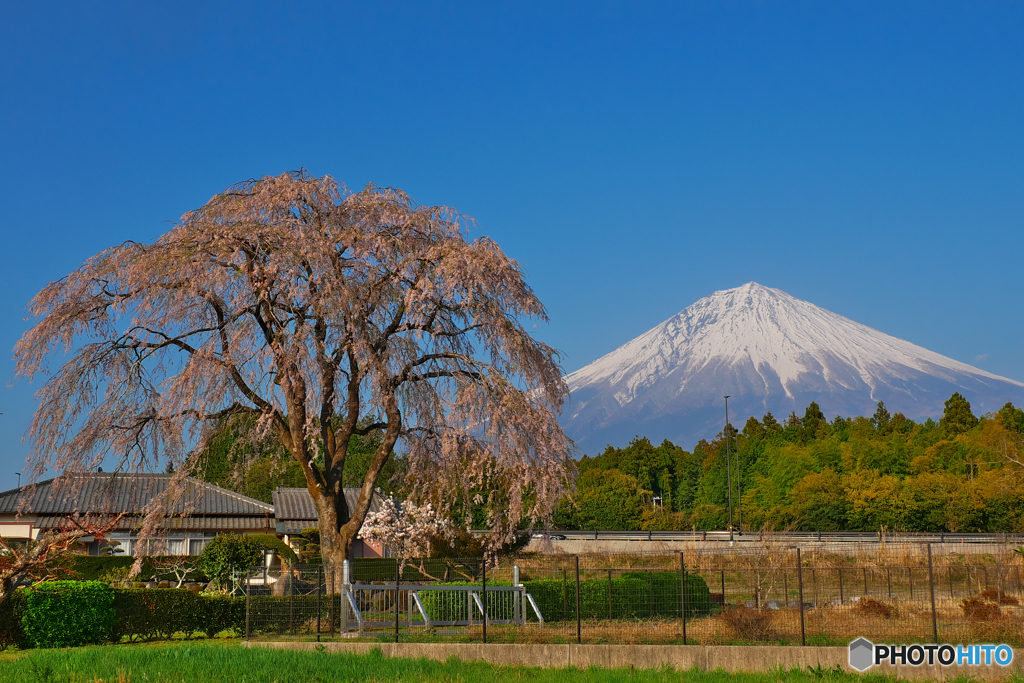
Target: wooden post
{"type": "Point", "coordinates": [579, 622]}
{"type": "Point", "coordinates": [800, 579]}
{"type": "Point", "coordinates": [931, 585]}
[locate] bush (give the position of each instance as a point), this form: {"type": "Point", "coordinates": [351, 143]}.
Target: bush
{"type": "Point", "coordinates": [873, 608]}
{"type": "Point", "coordinates": [633, 595]}
{"type": "Point", "coordinates": [151, 613]}
{"type": "Point", "coordinates": [99, 568]}
{"type": "Point", "coordinates": [11, 612]}
{"type": "Point", "coordinates": [68, 613]}
{"type": "Point", "coordinates": [749, 624]}
{"type": "Point", "coordinates": [227, 552]}
{"type": "Point", "coordinates": [977, 610]}
{"type": "Point", "coordinates": [999, 597]}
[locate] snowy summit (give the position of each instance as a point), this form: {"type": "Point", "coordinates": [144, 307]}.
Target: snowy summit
{"type": "Point", "coordinates": [768, 351]}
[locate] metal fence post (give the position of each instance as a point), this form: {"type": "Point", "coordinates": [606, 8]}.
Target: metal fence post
{"type": "Point", "coordinates": [931, 584]}
{"type": "Point", "coordinates": [841, 600]}
{"type": "Point", "coordinates": [609, 594]}
{"type": "Point", "coordinates": [346, 581]}
{"type": "Point", "coordinates": [800, 580]}
{"type": "Point", "coordinates": [579, 621]}
{"type": "Point", "coordinates": [518, 608]}
{"type": "Point", "coordinates": [247, 626]}
{"type": "Point", "coordinates": [398, 583]}
{"type": "Point", "coordinates": [682, 586]}
{"type": "Point", "coordinates": [319, 598]}
{"type": "Point", "coordinates": [330, 610]}
{"type": "Point", "coordinates": [483, 598]}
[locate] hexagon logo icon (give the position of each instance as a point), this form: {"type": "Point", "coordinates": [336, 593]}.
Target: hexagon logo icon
{"type": "Point", "coordinates": [862, 653]}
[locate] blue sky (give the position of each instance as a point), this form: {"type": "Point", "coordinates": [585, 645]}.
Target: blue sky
{"type": "Point", "coordinates": [867, 157]}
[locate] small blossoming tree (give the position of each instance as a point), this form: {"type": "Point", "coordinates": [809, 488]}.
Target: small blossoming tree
{"type": "Point", "coordinates": [406, 529]}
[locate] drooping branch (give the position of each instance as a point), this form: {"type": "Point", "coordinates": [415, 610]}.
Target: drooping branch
{"type": "Point", "coordinates": [326, 314]}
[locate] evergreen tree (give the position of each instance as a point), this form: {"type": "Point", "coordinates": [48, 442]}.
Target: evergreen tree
{"type": "Point", "coordinates": [957, 418]}
{"type": "Point", "coordinates": [813, 421]}
{"type": "Point", "coordinates": [880, 420]}
{"type": "Point", "coordinates": [771, 425]}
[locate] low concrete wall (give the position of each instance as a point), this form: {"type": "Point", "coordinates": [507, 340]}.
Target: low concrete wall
{"type": "Point", "coordinates": [731, 658]}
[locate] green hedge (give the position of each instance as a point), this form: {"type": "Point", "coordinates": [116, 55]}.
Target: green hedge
{"type": "Point", "coordinates": [11, 611]}
{"type": "Point", "coordinates": [93, 568]}
{"type": "Point", "coordinates": [68, 613]}
{"type": "Point", "coordinates": [634, 595]}
{"type": "Point", "coordinates": [159, 613]}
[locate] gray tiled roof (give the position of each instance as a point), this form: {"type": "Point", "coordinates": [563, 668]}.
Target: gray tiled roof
{"type": "Point", "coordinates": [114, 493]}
{"type": "Point", "coordinates": [297, 504]}
{"type": "Point", "coordinates": [191, 523]}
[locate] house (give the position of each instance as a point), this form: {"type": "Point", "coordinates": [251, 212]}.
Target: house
{"type": "Point", "coordinates": [195, 515]}
{"type": "Point", "coordinates": [294, 511]}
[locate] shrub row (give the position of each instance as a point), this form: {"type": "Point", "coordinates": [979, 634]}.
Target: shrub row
{"type": "Point", "coordinates": [69, 613]}
{"type": "Point", "coordinates": [95, 568]}
{"type": "Point", "coordinates": [633, 595]}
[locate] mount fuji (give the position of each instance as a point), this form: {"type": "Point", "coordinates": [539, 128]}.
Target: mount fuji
{"type": "Point", "coordinates": [768, 351]}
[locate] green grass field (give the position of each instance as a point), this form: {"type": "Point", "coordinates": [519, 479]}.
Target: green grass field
{"type": "Point", "coordinates": [177, 662]}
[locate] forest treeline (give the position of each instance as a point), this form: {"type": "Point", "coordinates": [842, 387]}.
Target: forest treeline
{"type": "Point", "coordinates": [885, 472]}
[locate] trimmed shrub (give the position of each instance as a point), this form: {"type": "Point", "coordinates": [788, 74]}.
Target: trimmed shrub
{"type": "Point", "coordinates": [634, 595]}
{"type": "Point", "coordinates": [152, 613]}
{"type": "Point", "coordinates": [227, 552]}
{"type": "Point", "coordinates": [97, 568]}
{"type": "Point", "coordinates": [68, 613]}
{"type": "Point", "coordinates": [11, 612]}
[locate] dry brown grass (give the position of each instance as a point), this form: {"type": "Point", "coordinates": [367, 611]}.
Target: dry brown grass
{"type": "Point", "coordinates": [977, 610]}
{"type": "Point", "coordinates": [749, 624]}
{"type": "Point", "coordinates": [869, 607]}
{"type": "Point", "coordinates": [999, 597]}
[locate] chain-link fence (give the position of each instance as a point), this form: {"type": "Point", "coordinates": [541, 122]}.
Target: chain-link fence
{"type": "Point", "coordinates": [769, 593]}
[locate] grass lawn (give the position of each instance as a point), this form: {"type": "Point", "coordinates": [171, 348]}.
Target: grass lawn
{"type": "Point", "coordinates": [200, 662]}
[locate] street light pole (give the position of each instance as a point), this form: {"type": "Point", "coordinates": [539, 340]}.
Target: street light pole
{"type": "Point", "coordinates": [728, 466]}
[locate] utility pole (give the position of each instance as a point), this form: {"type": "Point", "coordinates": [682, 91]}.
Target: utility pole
{"type": "Point", "coordinates": [728, 466]}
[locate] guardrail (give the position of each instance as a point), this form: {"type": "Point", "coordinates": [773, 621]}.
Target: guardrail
{"type": "Point", "coordinates": [793, 536]}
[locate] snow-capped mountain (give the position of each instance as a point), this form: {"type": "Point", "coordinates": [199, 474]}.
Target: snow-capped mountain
{"type": "Point", "coordinates": [768, 351]}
